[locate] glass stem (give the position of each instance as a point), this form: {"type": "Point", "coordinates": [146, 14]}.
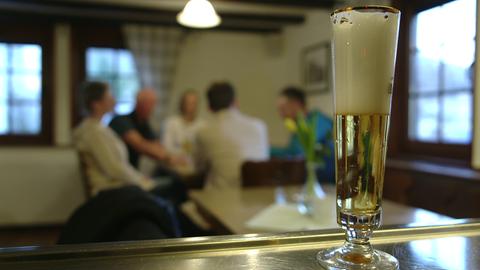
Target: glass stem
{"type": "Point", "coordinates": [357, 248]}
{"type": "Point", "coordinates": [359, 237]}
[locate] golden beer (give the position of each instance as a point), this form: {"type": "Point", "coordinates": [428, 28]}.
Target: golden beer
{"type": "Point", "coordinates": [360, 150]}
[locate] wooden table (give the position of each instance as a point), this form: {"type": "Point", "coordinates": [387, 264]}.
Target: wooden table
{"type": "Point", "coordinates": [229, 210]}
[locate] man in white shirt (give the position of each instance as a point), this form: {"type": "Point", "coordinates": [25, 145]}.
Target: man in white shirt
{"type": "Point", "coordinates": [229, 139]}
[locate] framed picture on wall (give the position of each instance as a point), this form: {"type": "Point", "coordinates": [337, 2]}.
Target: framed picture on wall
{"type": "Point", "coordinates": [316, 68]}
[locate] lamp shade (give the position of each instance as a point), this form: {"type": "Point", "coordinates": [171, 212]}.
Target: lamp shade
{"type": "Point", "coordinates": [198, 14]}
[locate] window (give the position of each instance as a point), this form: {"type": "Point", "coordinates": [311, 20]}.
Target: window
{"type": "Point", "coordinates": [442, 52]}
{"type": "Point", "coordinates": [25, 83]}
{"type": "Point", "coordinates": [117, 67]}
{"type": "Point", "coordinates": [20, 89]}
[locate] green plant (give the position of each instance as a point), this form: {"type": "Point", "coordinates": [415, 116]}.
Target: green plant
{"type": "Point", "coordinates": [306, 130]}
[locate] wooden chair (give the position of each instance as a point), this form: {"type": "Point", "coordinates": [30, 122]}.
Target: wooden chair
{"type": "Point", "coordinates": [195, 181]}
{"type": "Point", "coordinates": [273, 172]}
{"type": "Point", "coordinates": [85, 180]}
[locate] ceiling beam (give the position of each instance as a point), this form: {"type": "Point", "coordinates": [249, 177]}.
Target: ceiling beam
{"type": "Point", "coordinates": [220, 6]}
{"type": "Point", "coordinates": [76, 11]}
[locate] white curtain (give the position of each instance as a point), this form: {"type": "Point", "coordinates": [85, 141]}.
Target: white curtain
{"type": "Point", "coordinates": [155, 50]}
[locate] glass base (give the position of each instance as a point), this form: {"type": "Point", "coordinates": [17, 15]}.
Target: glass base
{"type": "Point", "coordinates": [339, 259]}
{"type": "Point", "coordinates": [306, 200]}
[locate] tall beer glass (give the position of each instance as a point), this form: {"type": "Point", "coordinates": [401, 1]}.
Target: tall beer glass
{"type": "Point", "coordinates": [364, 49]}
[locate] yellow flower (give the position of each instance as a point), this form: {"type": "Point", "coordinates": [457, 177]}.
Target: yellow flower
{"type": "Point", "coordinates": [290, 125]}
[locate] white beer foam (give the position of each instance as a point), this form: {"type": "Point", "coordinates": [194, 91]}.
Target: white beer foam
{"type": "Point", "coordinates": [364, 49]}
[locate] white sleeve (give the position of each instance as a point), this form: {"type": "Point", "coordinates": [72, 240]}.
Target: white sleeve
{"type": "Point", "coordinates": [168, 139]}
{"type": "Point", "coordinates": [265, 148]}
{"type": "Point", "coordinates": [102, 150]}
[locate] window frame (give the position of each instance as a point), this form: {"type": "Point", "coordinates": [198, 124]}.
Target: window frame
{"type": "Point", "coordinates": [33, 32]}
{"type": "Point", "coordinates": [400, 143]}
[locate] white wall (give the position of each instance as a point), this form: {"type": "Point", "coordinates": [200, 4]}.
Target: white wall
{"type": "Point", "coordinates": [38, 185]}
{"type": "Point", "coordinates": [62, 86]}
{"type": "Point", "coordinates": [315, 30]}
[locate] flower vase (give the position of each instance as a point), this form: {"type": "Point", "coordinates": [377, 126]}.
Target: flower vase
{"type": "Point", "coordinates": [311, 191]}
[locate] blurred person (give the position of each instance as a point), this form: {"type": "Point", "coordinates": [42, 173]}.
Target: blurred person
{"type": "Point", "coordinates": [228, 139]}
{"type": "Point", "coordinates": [292, 102]}
{"type": "Point", "coordinates": [104, 153]}
{"type": "Point", "coordinates": [135, 130]}
{"type": "Point", "coordinates": [180, 131]}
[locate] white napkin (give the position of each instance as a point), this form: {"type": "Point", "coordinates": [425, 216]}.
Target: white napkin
{"type": "Point", "coordinates": [286, 217]}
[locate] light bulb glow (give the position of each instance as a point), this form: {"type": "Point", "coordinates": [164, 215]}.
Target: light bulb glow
{"type": "Point", "coordinates": [198, 14]}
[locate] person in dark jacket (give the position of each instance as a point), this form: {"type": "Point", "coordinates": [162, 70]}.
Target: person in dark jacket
{"type": "Point", "coordinates": [122, 214]}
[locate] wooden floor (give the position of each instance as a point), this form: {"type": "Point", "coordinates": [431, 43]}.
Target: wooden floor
{"type": "Point", "coordinates": [38, 236]}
